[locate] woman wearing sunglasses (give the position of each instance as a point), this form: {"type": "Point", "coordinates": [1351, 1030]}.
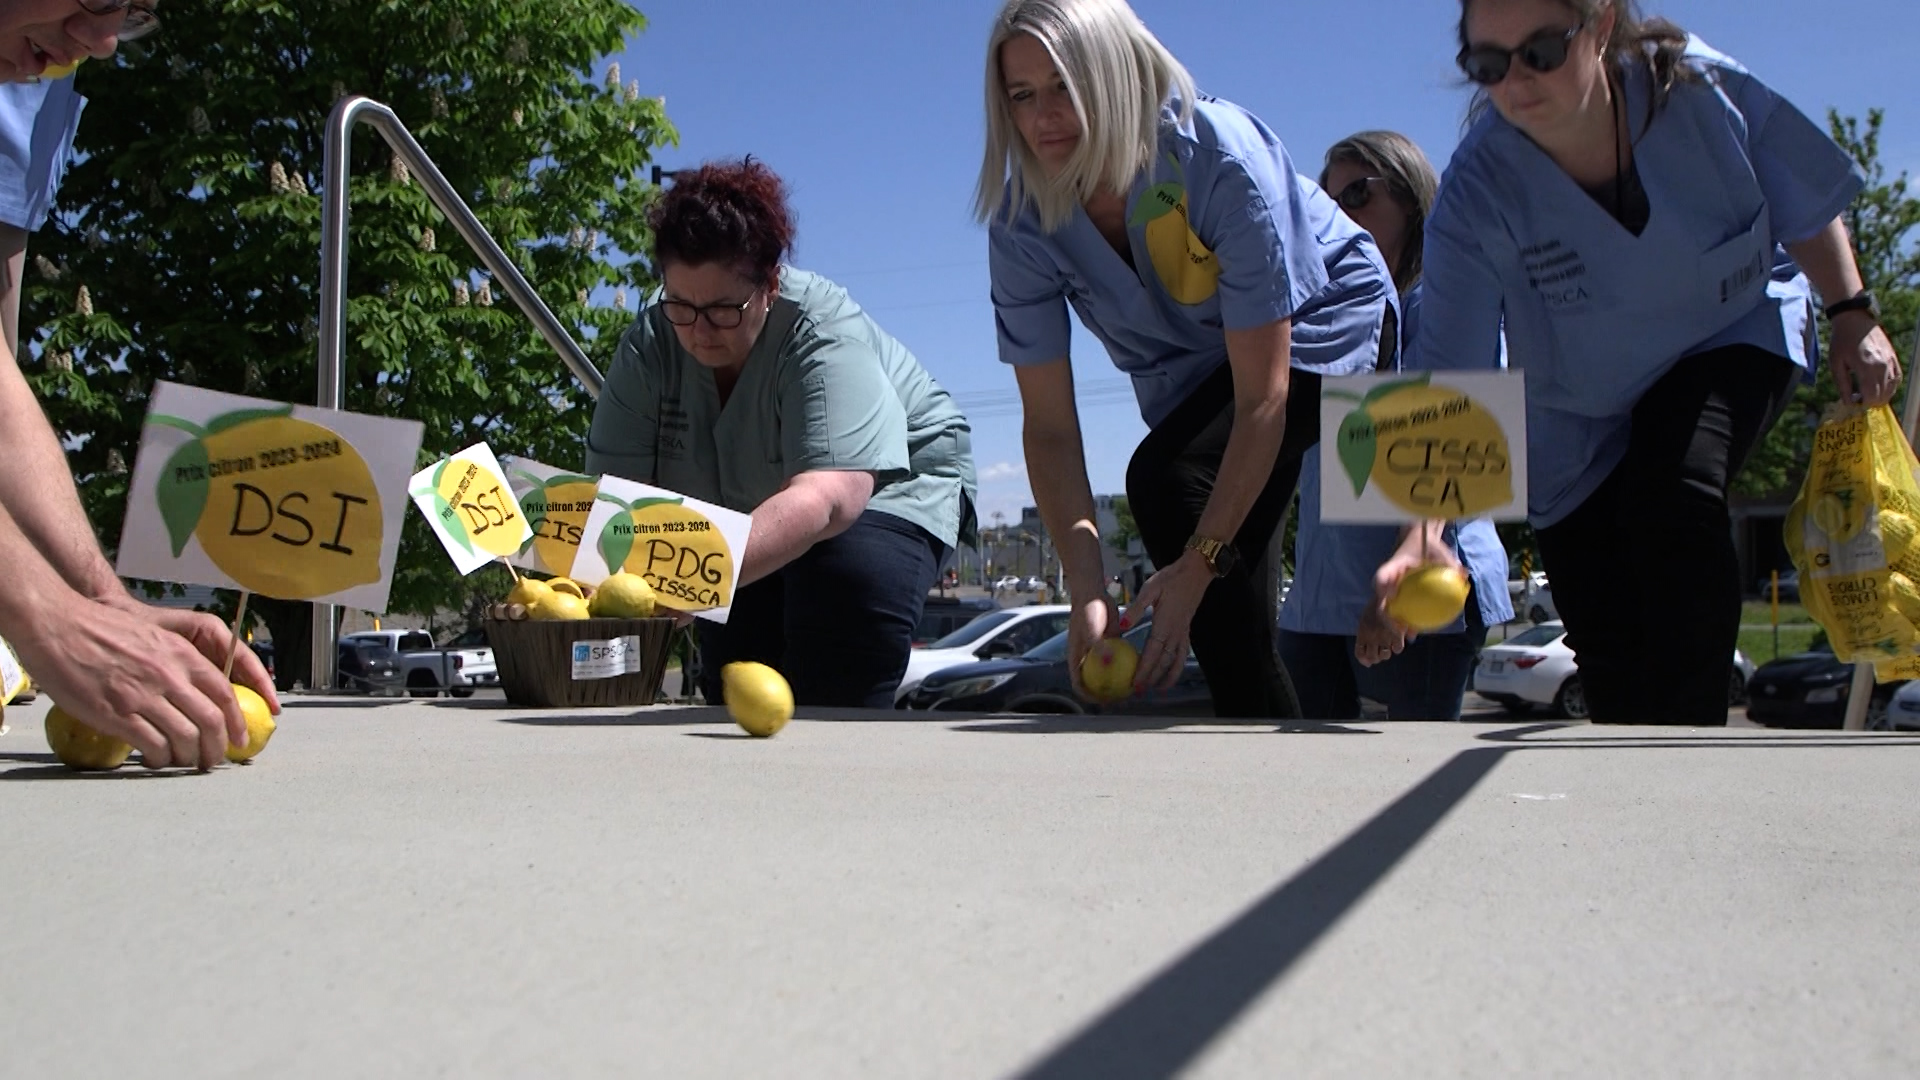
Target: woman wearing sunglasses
{"type": "Point", "coordinates": [1334, 640]}
{"type": "Point", "coordinates": [1644, 218]}
{"type": "Point", "coordinates": [767, 390]}
{"type": "Point", "coordinates": [1224, 283]}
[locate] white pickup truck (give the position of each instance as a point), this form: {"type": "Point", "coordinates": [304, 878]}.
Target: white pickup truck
{"type": "Point", "coordinates": [428, 669]}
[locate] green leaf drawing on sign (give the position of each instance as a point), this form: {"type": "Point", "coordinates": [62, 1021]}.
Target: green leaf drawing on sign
{"type": "Point", "coordinates": [188, 426]}
{"type": "Point", "coordinates": [1358, 442]}
{"type": "Point", "coordinates": [1341, 395]}
{"type": "Point", "coordinates": [439, 471]}
{"type": "Point", "coordinates": [1156, 202]}
{"type": "Point", "coordinates": [234, 419]}
{"type": "Point", "coordinates": [182, 493]}
{"type": "Point", "coordinates": [642, 504]}
{"type": "Point", "coordinates": [457, 528]}
{"type": "Point", "coordinates": [1394, 387]}
{"type": "Point", "coordinates": [570, 478]}
{"type": "Point", "coordinates": [614, 545]}
{"type": "Point", "coordinates": [602, 496]}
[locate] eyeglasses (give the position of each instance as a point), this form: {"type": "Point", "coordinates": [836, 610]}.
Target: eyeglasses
{"type": "Point", "coordinates": [1544, 52]}
{"type": "Point", "coordinates": [139, 22]}
{"type": "Point", "coordinates": [719, 316]}
{"type": "Point", "coordinates": [1358, 194]}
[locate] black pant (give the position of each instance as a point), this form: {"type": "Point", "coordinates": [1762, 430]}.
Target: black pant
{"type": "Point", "coordinates": [1169, 481]}
{"type": "Point", "coordinates": [1426, 681]}
{"type": "Point", "coordinates": [1645, 573]}
{"type": "Point", "coordinates": [837, 621]}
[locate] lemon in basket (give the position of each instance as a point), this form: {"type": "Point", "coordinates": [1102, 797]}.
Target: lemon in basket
{"type": "Point", "coordinates": [558, 606]}
{"type": "Point", "coordinates": [623, 596]}
{"type": "Point", "coordinates": [758, 698]}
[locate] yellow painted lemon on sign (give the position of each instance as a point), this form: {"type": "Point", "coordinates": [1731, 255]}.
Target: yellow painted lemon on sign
{"type": "Point", "coordinates": [284, 507]}
{"type": "Point", "coordinates": [557, 510]}
{"type": "Point", "coordinates": [476, 507]}
{"type": "Point", "coordinates": [674, 548]}
{"type": "Point", "coordinates": [1187, 269]}
{"type": "Point", "coordinates": [1430, 450]}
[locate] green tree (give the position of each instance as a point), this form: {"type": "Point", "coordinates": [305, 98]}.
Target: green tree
{"type": "Point", "coordinates": [1126, 530]}
{"type": "Point", "coordinates": [1882, 221]}
{"type": "Point", "coordinates": [185, 244]}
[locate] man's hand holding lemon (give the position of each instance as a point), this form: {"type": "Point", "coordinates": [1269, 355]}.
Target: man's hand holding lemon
{"type": "Point", "coordinates": [1411, 589]}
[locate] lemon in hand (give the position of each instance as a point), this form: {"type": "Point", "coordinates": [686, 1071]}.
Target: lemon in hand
{"type": "Point", "coordinates": [1429, 598]}
{"type": "Point", "coordinates": [758, 698]}
{"type": "Point", "coordinates": [1108, 670]}
{"type": "Point", "coordinates": [260, 725]}
{"type": "Point", "coordinates": [81, 747]}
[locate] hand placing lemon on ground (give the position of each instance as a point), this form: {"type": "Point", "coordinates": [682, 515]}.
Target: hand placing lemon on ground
{"type": "Point", "coordinates": [260, 726]}
{"type": "Point", "coordinates": [1107, 672]}
{"type": "Point", "coordinates": [80, 746]}
{"type": "Point", "coordinates": [758, 698]}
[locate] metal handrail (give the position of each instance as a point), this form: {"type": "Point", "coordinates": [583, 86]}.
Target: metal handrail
{"type": "Point", "coordinates": [333, 300]}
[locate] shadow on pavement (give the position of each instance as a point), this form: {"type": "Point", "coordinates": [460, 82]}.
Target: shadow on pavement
{"type": "Point", "coordinates": [1162, 1027]}
{"type": "Point", "coordinates": [1057, 724]}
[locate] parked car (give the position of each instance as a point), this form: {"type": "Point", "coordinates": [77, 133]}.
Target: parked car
{"type": "Point", "coordinates": [368, 667]}
{"type": "Point", "coordinates": [1033, 584]}
{"type": "Point", "coordinates": [1537, 602]}
{"type": "Point", "coordinates": [1536, 668]}
{"type": "Point", "coordinates": [1010, 583]}
{"type": "Point", "coordinates": [998, 634]}
{"type": "Point", "coordinates": [1789, 587]}
{"type": "Point", "coordinates": [1810, 690]}
{"type": "Point", "coordinates": [428, 669]}
{"type": "Point", "coordinates": [945, 614]}
{"type": "Point", "coordinates": [1903, 710]}
{"type": "Point", "coordinates": [1037, 681]}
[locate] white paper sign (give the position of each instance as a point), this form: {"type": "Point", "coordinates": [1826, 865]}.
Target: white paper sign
{"type": "Point", "coordinates": [288, 501]}
{"type": "Point", "coordinates": [688, 550]}
{"type": "Point", "coordinates": [471, 506]}
{"type": "Point", "coordinates": [13, 676]}
{"type": "Point", "coordinates": [556, 504]}
{"type": "Point", "coordinates": [1408, 445]}
{"type": "Point", "coordinates": [606, 659]}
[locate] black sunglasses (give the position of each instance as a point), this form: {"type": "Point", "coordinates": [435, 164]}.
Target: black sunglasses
{"type": "Point", "coordinates": [139, 21]}
{"type": "Point", "coordinates": [1543, 52]}
{"type": "Point", "coordinates": [1358, 194]}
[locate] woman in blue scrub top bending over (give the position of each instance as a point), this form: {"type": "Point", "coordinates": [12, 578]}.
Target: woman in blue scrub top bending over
{"type": "Point", "coordinates": [1645, 216]}
{"type": "Point", "coordinates": [767, 390]}
{"type": "Point", "coordinates": [1334, 639]}
{"type": "Point", "coordinates": [1223, 282]}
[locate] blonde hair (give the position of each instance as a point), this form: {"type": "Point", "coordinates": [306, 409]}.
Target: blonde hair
{"type": "Point", "coordinates": [1410, 179]}
{"type": "Point", "coordinates": [1118, 76]}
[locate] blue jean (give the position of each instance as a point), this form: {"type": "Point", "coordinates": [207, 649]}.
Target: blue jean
{"type": "Point", "coordinates": [837, 621]}
{"type": "Point", "coordinates": [1425, 682]}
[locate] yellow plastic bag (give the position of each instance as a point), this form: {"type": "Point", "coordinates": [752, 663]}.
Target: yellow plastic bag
{"type": "Point", "coordinates": [1854, 535]}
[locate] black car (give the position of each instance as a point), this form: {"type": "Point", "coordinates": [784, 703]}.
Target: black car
{"type": "Point", "coordinates": [367, 668]}
{"type": "Point", "coordinates": [1036, 681]}
{"type": "Point", "coordinates": [945, 614]}
{"type": "Point", "coordinates": [1809, 690]}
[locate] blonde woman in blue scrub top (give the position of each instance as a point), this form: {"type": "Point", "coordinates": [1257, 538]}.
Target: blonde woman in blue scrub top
{"type": "Point", "coordinates": [1223, 282]}
{"type": "Point", "coordinates": [1334, 640]}
{"type": "Point", "coordinates": [1649, 222]}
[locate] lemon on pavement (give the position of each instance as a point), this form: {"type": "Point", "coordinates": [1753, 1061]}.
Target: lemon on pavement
{"type": "Point", "coordinates": [623, 596]}
{"type": "Point", "coordinates": [260, 725]}
{"type": "Point", "coordinates": [1429, 597]}
{"type": "Point", "coordinates": [758, 697]}
{"type": "Point", "coordinates": [1108, 670]}
{"type": "Point", "coordinates": [81, 747]}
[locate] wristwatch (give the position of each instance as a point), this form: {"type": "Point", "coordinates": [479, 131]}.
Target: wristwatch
{"type": "Point", "coordinates": [1220, 556]}
{"type": "Point", "coordinates": [1861, 301]}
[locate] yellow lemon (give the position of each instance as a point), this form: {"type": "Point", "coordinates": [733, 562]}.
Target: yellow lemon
{"type": "Point", "coordinates": [558, 606]}
{"type": "Point", "coordinates": [260, 725]}
{"type": "Point", "coordinates": [1107, 672]}
{"type": "Point", "coordinates": [1429, 597]}
{"type": "Point", "coordinates": [528, 591]}
{"type": "Point", "coordinates": [81, 747]}
{"type": "Point", "coordinates": [680, 553]}
{"type": "Point", "coordinates": [60, 71]}
{"type": "Point", "coordinates": [477, 504]}
{"type": "Point", "coordinates": [758, 698]}
{"type": "Point", "coordinates": [1429, 450]}
{"type": "Point", "coordinates": [1837, 514]}
{"type": "Point", "coordinates": [567, 585]}
{"type": "Point", "coordinates": [285, 507]}
{"type": "Point", "coordinates": [623, 596]}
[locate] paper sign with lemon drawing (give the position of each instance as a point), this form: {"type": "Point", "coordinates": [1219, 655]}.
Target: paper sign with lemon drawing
{"type": "Point", "coordinates": [556, 503]}
{"type": "Point", "coordinates": [471, 507]}
{"type": "Point", "coordinates": [287, 501]}
{"type": "Point", "coordinates": [13, 677]}
{"type": "Point", "coordinates": [1187, 269]}
{"type": "Point", "coordinates": [1442, 444]}
{"type": "Point", "coordinates": [688, 550]}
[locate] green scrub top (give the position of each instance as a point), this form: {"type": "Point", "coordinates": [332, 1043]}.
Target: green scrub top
{"type": "Point", "coordinates": [823, 388]}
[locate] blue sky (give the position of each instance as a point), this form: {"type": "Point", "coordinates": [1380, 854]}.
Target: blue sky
{"type": "Point", "coordinates": [872, 113]}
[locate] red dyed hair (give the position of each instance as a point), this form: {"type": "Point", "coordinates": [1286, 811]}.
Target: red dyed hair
{"type": "Point", "coordinates": [732, 212]}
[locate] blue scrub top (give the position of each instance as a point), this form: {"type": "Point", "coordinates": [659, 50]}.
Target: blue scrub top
{"type": "Point", "coordinates": [1334, 564]}
{"type": "Point", "coordinates": [37, 124]}
{"type": "Point", "coordinates": [1236, 239]}
{"type": "Point", "coordinates": [1594, 314]}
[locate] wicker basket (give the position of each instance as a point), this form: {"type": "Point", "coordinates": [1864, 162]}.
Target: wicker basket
{"type": "Point", "coordinates": [535, 658]}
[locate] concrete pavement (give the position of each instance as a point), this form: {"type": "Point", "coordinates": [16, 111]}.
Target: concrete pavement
{"type": "Point", "coordinates": [468, 889]}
